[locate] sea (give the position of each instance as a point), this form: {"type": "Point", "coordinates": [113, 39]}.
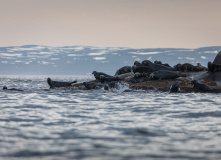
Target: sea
{"type": "Point", "coordinates": [40, 123]}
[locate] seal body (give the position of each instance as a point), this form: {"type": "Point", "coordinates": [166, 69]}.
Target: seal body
{"type": "Point", "coordinates": [53, 84]}
{"type": "Point", "coordinates": [11, 89]}
{"type": "Point", "coordinates": [175, 87]}
{"type": "Point", "coordinates": [125, 69]}
{"type": "Point", "coordinates": [201, 86]}
{"type": "Point", "coordinates": [110, 85]}
{"type": "Point", "coordinates": [187, 67]}
{"type": "Point", "coordinates": [141, 69]}
{"type": "Point", "coordinates": [98, 74]}
{"type": "Point", "coordinates": [92, 85]}
{"type": "Point", "coordinates": [159, 62]}
{"type": "Point", "coordinates": [165, 74]}
{"type": "Point", "coordinates": [156, 67]}
{"type": "Point", "coordinates": [104, 79]}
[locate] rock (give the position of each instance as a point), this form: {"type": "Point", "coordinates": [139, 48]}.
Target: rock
{"type": "Point", "coordinates": [216, 65]}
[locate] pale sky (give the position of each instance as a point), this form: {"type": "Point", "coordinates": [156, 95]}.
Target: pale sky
{"type": "Point", "coordinates": [111, 23]}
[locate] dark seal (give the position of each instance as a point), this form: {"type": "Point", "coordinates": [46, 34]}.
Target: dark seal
{"type": "Point", "coordinates": [201, 86]}
{"type": "Point", "coordinates": [54, 84]}
{"type": "Point", "coordinates": [104, 79]}
{"type": "Point", "coordinates": [97, 75]}
{"type": "Point", "coordinates": [156, 67]}
{"type": "Point", "coordinates": [11, 89]}
{"type": "Point", "coordinates": [165, 74]}
{"type": "Point", "coordinates": [125, 69]}
{"type": "Point", "coordinates": [175, 87]}
{"type": "Point", "coordinates": [92, 85]}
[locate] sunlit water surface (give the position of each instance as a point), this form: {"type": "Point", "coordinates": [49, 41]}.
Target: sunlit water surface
{"type": "Point", "coordinates": [39, 123]}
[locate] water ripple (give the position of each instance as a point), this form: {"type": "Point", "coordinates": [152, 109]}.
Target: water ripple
{"type": "Point", "coordinates": [75, 124]}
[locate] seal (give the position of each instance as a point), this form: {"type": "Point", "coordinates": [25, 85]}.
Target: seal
{"type": "Point", "coordinates": [159, 62]}
{"type": "Point", "coordinates": [165, 74]}
{"type": "Point", "coordinates": [110, 85]}
{"type": "Point", "coordinates": [156, 67]}
{"type": "Point", "coordinates": [137, 63]}
{"type": "Point", "coordinates": [104, 79]}
{"type": "Point", "coordinates": [92, 85]}
{"type": "Point", "coordinates": [53, 84]}
{"type": "Point", "coordinates": [201, 86]}
{"type": "Point", "coordinates": [11, 89]}
{"type": "Point", "coordinates": [175, 87]}
{"type": "Point", "coordinates": [125, 69]}
{"type": "Point", "coordinates": [141, 69]}
{"type": "Point", "coordinates": [98, 74]}
{"type": "Point", "coordinates": [187, 67]}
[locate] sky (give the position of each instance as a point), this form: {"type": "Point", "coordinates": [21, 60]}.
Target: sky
{"type": "Point", "coordinates": [111, 23]}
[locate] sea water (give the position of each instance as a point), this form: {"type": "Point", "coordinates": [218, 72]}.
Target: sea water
{"type": "Point", "coordinates": [68, 123]}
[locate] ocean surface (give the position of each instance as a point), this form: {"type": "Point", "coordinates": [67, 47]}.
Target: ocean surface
{"type": "Point", "coordinates": [67, 123]}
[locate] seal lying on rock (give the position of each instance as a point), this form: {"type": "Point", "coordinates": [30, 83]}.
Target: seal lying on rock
{"type": "Point", "coordinates": [201, 86]}
{"type": "Point", "coordinates": [125, 69]}
{"type": "Point", "coordinates": [104, 79]}
{"type": "Point", "coordinates": [175, 87]}
{"type": "Point", "coordinates": [98, 74]}
{"type": "Point", "coordinates": [156, 67]}
{"type": "Point", "coordinates": [137, 63]}
{"type": "Point", "coordinates": [159, 62]}
{"type": "Point", "coordinates": [141, 69]}
{"type": "Point", "coordinates": [187, 67]}
{"type": "Point", "coordinates": [165, 74]}
{"type": "Point", "coordinates": [140, 77]}
{"type": "Point", "coordinates": [92, 85]}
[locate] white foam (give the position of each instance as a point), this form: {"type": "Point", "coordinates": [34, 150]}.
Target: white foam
{"type": "Point", "coordinates": [99, 58]}
{"type": "Point", "coordinates": [4, 62]}
{"type": "Point", "coordinates": [74, 55]}
{"type": "Point", "coordinates": [203, 57]}
{"type": "Point", "coordinates": [54, 59]}
{"type": "Point", "coordinates": [144, 53]}
{"type": "Point", "coordinates": [189, 58]}
{"type": "Point", "coordinates": [97, 53]}
{"type": "Point", "coordinates": [211, 52]}
{"type": "Point", "coordinates": [11, 54]}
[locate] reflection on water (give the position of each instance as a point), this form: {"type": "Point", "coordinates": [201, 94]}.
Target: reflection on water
{"type": "Point", "coordinates": [98, 124]}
